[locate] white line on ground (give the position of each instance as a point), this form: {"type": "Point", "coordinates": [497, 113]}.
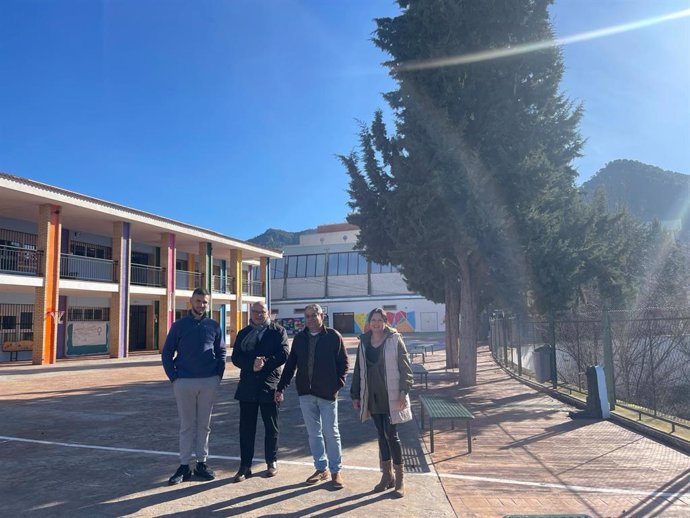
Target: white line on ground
{"type": "Point", "coordinates": [630, 492]}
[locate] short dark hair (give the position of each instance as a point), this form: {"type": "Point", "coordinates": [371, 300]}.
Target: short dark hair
{"type": "Point", "coordinates": [378, 311]}
{"type": "Point", "coordinates": [201, 291]}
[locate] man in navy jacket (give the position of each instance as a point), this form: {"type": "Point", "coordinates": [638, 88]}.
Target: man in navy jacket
{"type": "Point", "coordinates": [194, 361]}
{"type": "Point", "coordinates": [259, 351]}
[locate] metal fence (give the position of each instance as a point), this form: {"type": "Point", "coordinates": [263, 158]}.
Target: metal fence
{"type": "Point", "coordinates": [16, 322]}
{"type": "Point", "coordinates": [87, 268]}
{"type": "Point", "coordinates": [145, 275]}
{"type": "Point", "coordinates": [223, 284]}
{"type": "Point", "coordinates": [649, 349]}
{"type": "Point", "coordinates": [253, 288]}
{"type": "Point", "coordinates": [18, 260]}
{"type": "Point", "coordinates": [185, 280]}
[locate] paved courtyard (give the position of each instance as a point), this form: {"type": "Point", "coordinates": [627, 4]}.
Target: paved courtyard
{"type": "Point", "coordinates": [99, 438]}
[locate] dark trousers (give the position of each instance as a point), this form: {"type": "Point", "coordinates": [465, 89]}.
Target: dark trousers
{"type": "Point", "coordinates": [249, 413]}
{"type": "Point", "coordinates": [389, 442]}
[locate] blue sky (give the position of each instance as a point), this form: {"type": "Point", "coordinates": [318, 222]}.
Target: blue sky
{"type": "Point", "coordinates": [229, 114]}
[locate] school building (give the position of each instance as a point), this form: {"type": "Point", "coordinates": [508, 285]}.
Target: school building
{"type": "Point", "coordinates": [83, 276]}
{"type": "Point", "coordinates": [326, 269]}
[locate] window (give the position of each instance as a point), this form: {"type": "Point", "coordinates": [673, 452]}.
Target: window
{"type": "Point", "coordinates": [352, 263]}
{"type": "Point", "coordinates": [320, 265]}
{"type": "Point", "coordinates": [26, 320]}
{"type": "Point", "coordinates": [362, 266]}
{"type": "Point", "coordinates": [311, 265]}
{"type": "Point", "coordinates": [332, 265]}
{"type": "Point", "coordinates": [278, 266]}
{"type": "Point", "coordinates": [342, 263]}
{"type": "Point", "coordinates": [91, 250]}
{"type": "Point", "coordinates": [82, 314]}
{"type": "Point", "coordinates": [292, 266]}
{"type": "Point", "coordinates": [9, 322]}
{"type": "Point", "coordinates": [383, 268]}
{"type": "Point", "coordinates": [301, 265]}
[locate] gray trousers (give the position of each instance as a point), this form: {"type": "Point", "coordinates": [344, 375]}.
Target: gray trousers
{"type": "Point", "coordinates": [195, 398]}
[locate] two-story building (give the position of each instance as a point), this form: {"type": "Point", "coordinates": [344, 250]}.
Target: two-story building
{"type": "Point", "coordinates": [326, 269]}
{"type": "Point", "coordinates": [83, 276]}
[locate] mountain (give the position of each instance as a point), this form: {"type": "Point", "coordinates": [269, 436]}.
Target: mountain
{"type": "Point", "coordinates": [277, 239]}
{"type": "Point", "coordinates": [647, 191]}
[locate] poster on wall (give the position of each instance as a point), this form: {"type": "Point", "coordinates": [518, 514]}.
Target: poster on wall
{"type": "Point", "coordinates": [87, 338]}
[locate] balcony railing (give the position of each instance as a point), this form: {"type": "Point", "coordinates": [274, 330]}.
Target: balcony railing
{"type": "Point", "coordinates": [185, 280]}
{"type": "Point", "coordinates": [222, 284]}
{"type": "Point", "coordinates": [145, 275]}
{"type": "Point", "coordinates": [253, 288]}
{"type": "Point", "coordinates": [19, 261]}
{"type": "Point", "coordinates": [87, 268]}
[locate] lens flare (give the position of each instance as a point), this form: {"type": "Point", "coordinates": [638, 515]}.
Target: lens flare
{"type": "Point", "coordinates": [486, 55]}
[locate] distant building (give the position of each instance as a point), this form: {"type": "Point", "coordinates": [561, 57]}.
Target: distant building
{"type": "Point", "coordinates": [324, 268]}
{"type": "Point", "coordinates": [82, 276]}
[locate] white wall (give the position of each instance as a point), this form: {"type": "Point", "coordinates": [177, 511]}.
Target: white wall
{"type": "Point", "coordinates": [19, 225]}
{"type": "Point", "coordinates": [329, 238]}
{"type": "Point", "coordinates": [304, 287]}
{"type": "Point", "coordinates": [387, 283]}
{"type": "Point", "coordinates": [347, 286]}
{"type": "Point", "coordinates": [17, 298]}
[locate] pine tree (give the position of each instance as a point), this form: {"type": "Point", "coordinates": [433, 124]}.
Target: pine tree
{"type": "Point", "coordinates": [481, 155]}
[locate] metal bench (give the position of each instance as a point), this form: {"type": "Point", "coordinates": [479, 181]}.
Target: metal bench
{"type": "Point", "coordinates": [14, 347]}
{"type": "Point", "coordinates": [421, 349]}
{"type": "Point", "coordinates": [419, 369]}
{"type": "Point", "coordinates": [445, 408]}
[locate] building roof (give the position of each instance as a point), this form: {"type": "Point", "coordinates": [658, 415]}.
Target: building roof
{"type": "Point", "coordinates": [20, 196]}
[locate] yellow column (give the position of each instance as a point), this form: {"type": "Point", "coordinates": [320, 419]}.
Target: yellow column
{"type": "Point", "coordinates": [235, 269]}
{"type": "Point", "coordinates": [46, 304]}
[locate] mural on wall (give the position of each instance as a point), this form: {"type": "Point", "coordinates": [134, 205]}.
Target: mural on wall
{"type": "Point", "coordinates": [296, 324]}
{"type": "Point", "coordinates": [87, 338]}
{"type": "Point", "coordinates": [403, 321]}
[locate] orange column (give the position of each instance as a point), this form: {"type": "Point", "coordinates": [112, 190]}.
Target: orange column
{"type": "Point", "coordinates": [46, 314]}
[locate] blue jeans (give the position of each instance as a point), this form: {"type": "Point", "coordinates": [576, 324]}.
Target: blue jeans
{"type": "Point", "coordinates": [321, 419]}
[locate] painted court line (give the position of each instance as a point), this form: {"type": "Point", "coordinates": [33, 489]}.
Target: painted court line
{"type": "Point", "coordinates": [629, 492]}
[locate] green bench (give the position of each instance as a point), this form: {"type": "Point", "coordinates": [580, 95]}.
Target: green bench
{"type": "Point", "coordinates": [420, 370]}
{"type": "Point", "coordinates": [437, 407]}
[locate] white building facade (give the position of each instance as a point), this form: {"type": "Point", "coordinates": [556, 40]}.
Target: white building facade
{"type": "Point", "coordinates": [325, 269]}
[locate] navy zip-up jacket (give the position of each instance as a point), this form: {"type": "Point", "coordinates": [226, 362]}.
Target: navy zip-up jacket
{"type": "Point", "coordinates": [194, 349]}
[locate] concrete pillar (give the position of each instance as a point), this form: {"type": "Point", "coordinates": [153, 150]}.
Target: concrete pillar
{"type": "Point", "coordinates": [119, 302]}
{"type": "Point", "coordinates": [206, 269]}
{"type": "Point", "coordinates": [166, 315]}
{"type": "Point", "coordinates": [46, 306]}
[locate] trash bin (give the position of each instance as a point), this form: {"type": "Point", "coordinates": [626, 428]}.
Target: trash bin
{"type": "Point", "coordinates": [542, 363]}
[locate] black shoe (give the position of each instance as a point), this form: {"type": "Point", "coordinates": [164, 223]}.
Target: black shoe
{"type": "Point", "coordinates": [182, 473]}
{"type": "Point", "coordinates": [271, 469]}
{"type": "Point", "coordinates": [203, 472]}
{"type": "Point", "coordinates": [242, 473]}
